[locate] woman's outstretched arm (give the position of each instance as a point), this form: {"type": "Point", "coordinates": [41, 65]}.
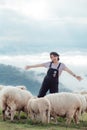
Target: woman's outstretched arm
{"type": "Point", "coordinates": [71, 73]}
{"type": "Point", "coordinates": [33, 66]}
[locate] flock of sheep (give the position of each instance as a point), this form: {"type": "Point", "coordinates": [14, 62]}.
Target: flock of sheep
{"type": "Point", "coordinates": [17, 98]}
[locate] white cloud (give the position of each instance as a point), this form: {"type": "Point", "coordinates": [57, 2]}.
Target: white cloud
{"type": "Point", "coordinates": [32, 9]}
{"type": "Point", "coordinates": [10, 38]}
{"type": "Point", "coordinates": [70, 59]}
{"type": "Point", "coordinates": [43, 22]}
{"type": "Point", "coordinates": [64, 11]}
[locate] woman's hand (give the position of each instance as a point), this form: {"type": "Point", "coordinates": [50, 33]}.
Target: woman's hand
{"type": "Point", "coordinates": [27, 67]}
{"type": "Point", "coordinates": [78, 78]}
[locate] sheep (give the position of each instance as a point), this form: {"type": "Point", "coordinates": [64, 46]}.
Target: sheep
{"type": "Point", "coordinates": [65, 104]}
{"type": "Point", "coordinates": [85, 95]}
{"type": "Point", "coordinates": [39, 107]}
{"type": "Point", "coordinates": [82, 96]}
{"type": "Point", "coordinates": [83, 103]}
{"type": "Point", "coordinates": [1, 87]}
{"type": "Point", "coordinates": [15, 99]}
{"type": "Point", "coordinates": [18, 86]}
{"type": "Point", "coordinates": [81, 92]}
{"type": "Point", "coordinates": [22, 87]}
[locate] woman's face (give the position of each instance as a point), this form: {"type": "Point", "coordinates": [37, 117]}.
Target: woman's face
{"type": "Point", "coordinates": [54, 58]}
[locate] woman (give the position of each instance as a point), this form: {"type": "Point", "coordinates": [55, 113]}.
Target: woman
{"type": "Point", "coordinates": [51, 79]}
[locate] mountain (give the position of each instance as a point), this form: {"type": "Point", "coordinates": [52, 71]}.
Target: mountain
{"type": "Point", "coordinates": [10, 75]}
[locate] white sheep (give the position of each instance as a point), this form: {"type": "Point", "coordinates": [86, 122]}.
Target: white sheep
{"type": "Point", "coordinates": [39, 107]}
{"type": "Point", "coordinates": [15, 99]}
{"type": "Point", "coordinates": [4, 86]}
{"type": "Point", "coordinates": [22, 87]}
{"type": "Point", "coordinates": [18, 86]}
{"type": "Point", "coordinates": [83, 103]}
{"type": "Point", "coordinates": [85, 95]}
{"type": "Point", "coordinates": [82, 96]}
{"type": "Point", "coordinates": [65, 104]}
{"type": "Point", "coordinates": [1, 87]}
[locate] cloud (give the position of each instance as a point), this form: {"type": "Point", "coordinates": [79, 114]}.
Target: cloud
{"type": "Point", "coordinates": [48, 10]}
{"type": "Point", "coordinates": [69, 58]}
{"type": "Point", "coordinates": [32, 9]}
{"type": "Point", "coordinates": [43, 22]}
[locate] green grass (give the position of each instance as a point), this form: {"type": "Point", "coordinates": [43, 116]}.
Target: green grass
{"type": "Point", "coordinates": [24, 124]}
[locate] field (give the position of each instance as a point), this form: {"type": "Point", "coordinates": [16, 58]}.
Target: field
{"type": "Point", "coordinates": [24, 124]}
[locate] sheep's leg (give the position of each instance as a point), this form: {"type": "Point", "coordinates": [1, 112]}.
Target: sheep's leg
{"type": "Point", "coordinates": [48, 116]}
{"type": "Point", "coordinates": [76, 119]}
{"type": "Point", "coordinates": [43, 117]}
{"type": "Point", "coordinates": [32, 115]}
{"type": "Point", "coordinates": [69, 117]}
{"type": "Point", "coordinates": [4, 107]}
{"type": "Point", "coordinates": [77, 115]}
{"type": "Point", "coordinates": [3, 113]}
{"type": "Point", "coordinates": [47, 112]}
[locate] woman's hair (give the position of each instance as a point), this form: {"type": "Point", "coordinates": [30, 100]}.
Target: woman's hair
{"type": "Point", "coordinates": [55, 54]}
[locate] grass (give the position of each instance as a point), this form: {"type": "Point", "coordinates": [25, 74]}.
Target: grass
{"type": "Point", "coordinates": [24, 124]}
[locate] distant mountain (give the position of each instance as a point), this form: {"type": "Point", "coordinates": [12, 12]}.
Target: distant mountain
{"type": "Point", "coordinates": [10, 75]}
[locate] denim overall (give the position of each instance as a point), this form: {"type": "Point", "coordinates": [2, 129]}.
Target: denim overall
{"type": "Point", "coordinates": [50, 81]}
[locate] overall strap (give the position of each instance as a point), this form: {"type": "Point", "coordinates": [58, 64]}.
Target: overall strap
{"type": "Point", "coordinates": [50, 64]}
{"type": "Point", "coordinates": [58, 66]}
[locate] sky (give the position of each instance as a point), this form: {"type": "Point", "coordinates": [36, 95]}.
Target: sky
{"type": "Point", "coordinates": [25, 23]}
{"type": "Point", "coordinates": [30, 29]}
